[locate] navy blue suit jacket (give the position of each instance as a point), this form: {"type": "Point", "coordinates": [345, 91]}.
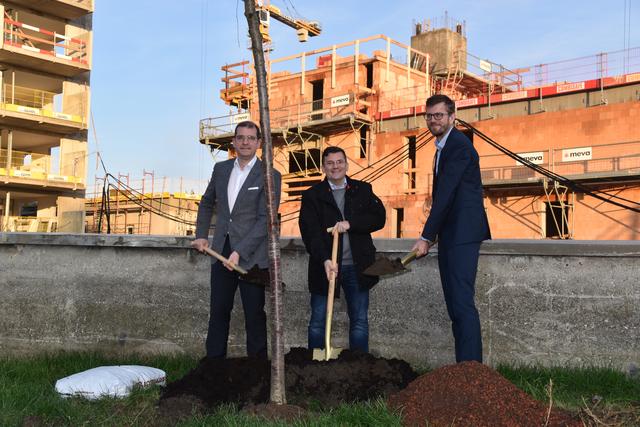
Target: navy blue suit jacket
{"type": "Point", "coordinates": [457, 212]}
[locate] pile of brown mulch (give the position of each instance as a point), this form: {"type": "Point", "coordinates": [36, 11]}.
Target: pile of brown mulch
{"type": "Point", "coordinates": [353, 376]}
{"type": "Point", "coordinates": [472, 394]}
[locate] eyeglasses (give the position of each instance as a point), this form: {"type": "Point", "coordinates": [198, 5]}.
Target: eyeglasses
{"type": "Point", "coordinates": [332, 163]}
{"type": "Point", "coordinates": [243, 138]}
{"type": "Point", "coordinates": [436, 116]}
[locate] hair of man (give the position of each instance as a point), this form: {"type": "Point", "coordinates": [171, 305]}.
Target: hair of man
{"type": "Point", "coordinates": [437, 99]}
{"type": "Point", "coordinates": [333, 149]}
{"type": "Point", "coordinates": [247, 124]}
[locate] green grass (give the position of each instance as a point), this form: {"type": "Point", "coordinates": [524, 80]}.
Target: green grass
{"type": "Point", "coordinates": [27, 390]}
{"type": "Point", "coordinates": [573, 386]}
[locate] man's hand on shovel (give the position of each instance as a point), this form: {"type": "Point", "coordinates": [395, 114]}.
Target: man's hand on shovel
{"type": "Point", "coordinates": [202, 245]}
{"type": "Point", "coordinates": [330, 268]}
{"type": "Point", "coordinates": [421, 247]}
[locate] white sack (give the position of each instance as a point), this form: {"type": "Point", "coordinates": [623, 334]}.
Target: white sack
{"type": "Point", "coordinates": [114, 381]}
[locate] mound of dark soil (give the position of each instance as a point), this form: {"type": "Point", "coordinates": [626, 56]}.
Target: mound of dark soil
{"type": "Point", "coordinates": [472, 394]}
{"type": "Point", "coordinates": [353, 376]}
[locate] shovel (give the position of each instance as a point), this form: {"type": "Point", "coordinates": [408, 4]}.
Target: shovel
{"type": "Point", "coordinates": [328, 352]}
{"type": "Point", "coordinates": [385, 266]}
{"type": "Point", "coordinates": [255, 275]}
{"type": "Point", "coordinates": [224, 260]}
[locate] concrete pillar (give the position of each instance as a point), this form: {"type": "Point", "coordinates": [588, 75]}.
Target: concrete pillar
{"type": "Point", "coordinates": [71, 210]}
{"type": "Point", "coordinates": [73, 155]}
{"type": "Point", "coordinates": [75, 99]}
{"type": "Point", "coordinates": [9, 150]}
{"type": "Point", "coordinates": [71, 214]}
{"type": "Point", "coordinates": [1, 138]}
{"type": "Point", "coordinates": [5, 221]}
{"type": "Point", "coordinates": [2, 28]}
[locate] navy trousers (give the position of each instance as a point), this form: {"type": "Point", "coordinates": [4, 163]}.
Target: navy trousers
{"type": "Point", "coordinates": [458, 266]}
{"type": "Point", "coordinates": [223, 289]}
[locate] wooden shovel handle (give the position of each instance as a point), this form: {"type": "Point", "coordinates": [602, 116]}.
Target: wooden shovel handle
{"type": "Point", "coordinates": [225, 260]}
{"type": "Point", "coordinates": [330, 295]}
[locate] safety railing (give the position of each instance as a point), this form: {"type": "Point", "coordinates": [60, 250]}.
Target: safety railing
{"type": "Point", "coordinates": [34, 101]}
{"type": "Point", "coordinates": [28, 224]}
{"type": "Point", "coordinates": [598, 160]}
{"type": "Point", "coordinates": [222, 125]}
{"type": "Point", "coordinates": [35, 166]}
{"type": "Point", "coordinates": [44, 41]}
{"type": "Point", "coordinates": [495, 75]}
{"type": "Point", "coordinates": [336, 107]}
{"type": "Point", "coordinates": [603, 160]}
{"type": "Point", "coordinates": [605, 64]}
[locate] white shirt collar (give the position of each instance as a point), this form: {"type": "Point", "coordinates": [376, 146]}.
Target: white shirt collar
{"type": "Point", "coordinates": [248, 166]}
{"type": "Point", "coordinates": [338, 187]}
{"type": "Point", "coordinates": [440, 144]}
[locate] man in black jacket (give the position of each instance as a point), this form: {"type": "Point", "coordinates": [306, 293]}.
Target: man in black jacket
{"type": "Point", "coordinates": [353, 208]}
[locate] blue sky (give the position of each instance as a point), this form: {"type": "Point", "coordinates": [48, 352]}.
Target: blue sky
{"type": "Point", "coordinates": [156, 63]}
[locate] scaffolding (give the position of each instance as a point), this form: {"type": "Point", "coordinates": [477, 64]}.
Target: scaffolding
{"type": "Point", "coordinates": [124, 206]}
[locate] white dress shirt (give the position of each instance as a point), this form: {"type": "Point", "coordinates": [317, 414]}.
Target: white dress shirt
{"type": "Point", "coordinates": [440, 146]}
{"type": "Point", "coordinates": [236, 180]}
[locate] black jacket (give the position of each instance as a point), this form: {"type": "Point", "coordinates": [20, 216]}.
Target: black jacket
{"type": "Point", "coordinates": [319, 211]}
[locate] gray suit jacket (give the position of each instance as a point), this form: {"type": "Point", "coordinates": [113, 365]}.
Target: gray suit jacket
{"type": "Point", "coordinates": [246, 224]}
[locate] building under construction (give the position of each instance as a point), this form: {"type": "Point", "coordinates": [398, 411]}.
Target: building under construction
{"type": "Point", "coordinates": [146, 206]}
{"type": "Point", "coordinates": [573, 125]}
{"type": "Point", "coordinates": [45, 63]}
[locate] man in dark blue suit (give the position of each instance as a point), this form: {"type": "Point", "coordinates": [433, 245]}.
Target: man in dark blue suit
{"type": "Point", "coordinates": [457, 222]}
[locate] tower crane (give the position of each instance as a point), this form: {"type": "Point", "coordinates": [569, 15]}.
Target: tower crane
{"type": "Point", "coordinates": [304, 28]}
{"type": "Point", "coordinates": [237, 90]}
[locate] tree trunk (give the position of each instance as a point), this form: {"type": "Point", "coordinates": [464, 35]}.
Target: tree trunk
{"type": "Point", "coordinates": [277, 327]}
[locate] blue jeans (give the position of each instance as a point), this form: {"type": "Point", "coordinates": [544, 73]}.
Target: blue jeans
{"type": "Point", "coordinates": [357, 308]}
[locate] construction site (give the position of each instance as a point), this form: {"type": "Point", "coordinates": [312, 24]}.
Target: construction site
{"type": "Point", "coordinates": [107, 266]}
{"type": "Point", "coordinates": [45, 65]}
{"type": "Point", "coordinates": [151, 205]}
{"type": "Point", "coordinates": [574, 119]}
{"type": "Point", "coordinates": [570, 126]}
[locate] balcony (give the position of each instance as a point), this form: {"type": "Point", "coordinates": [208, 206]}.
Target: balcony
{"type": "Point", "coordinates": [613, 162]}
{"type": "Point", "coordinates": [67, 9]}
{"type": "Point", "coordinates": [321, 117]}
{"type": "Point", "coordinates": [38, 48]}
{"type": "Point", "coordinates": [28, 224]}
{"type": "Point", "coordinates": [41, 110]}
{"type": "Point", "coordinates": [28, 169]}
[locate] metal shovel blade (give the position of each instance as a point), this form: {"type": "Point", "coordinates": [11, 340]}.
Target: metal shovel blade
{"type": "Point", "coordinates": [384, 266]}
{"type": "Point", "coordinates": [321, 355]}
{"type": "Point", "coordinates": [257, 276]}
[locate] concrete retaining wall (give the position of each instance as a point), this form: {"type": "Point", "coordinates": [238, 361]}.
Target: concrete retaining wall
{"type": "Point", "coordinates": [569, 303]}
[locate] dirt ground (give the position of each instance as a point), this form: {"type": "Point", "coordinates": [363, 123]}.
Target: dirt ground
{"type": "Point", "coordinates": [353, 376]}
{"type": "Point", "coordinates": [464, 394]}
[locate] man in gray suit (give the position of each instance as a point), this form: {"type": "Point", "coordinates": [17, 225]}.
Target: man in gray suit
{"type": "Point", "coordinates": [236, 191]}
